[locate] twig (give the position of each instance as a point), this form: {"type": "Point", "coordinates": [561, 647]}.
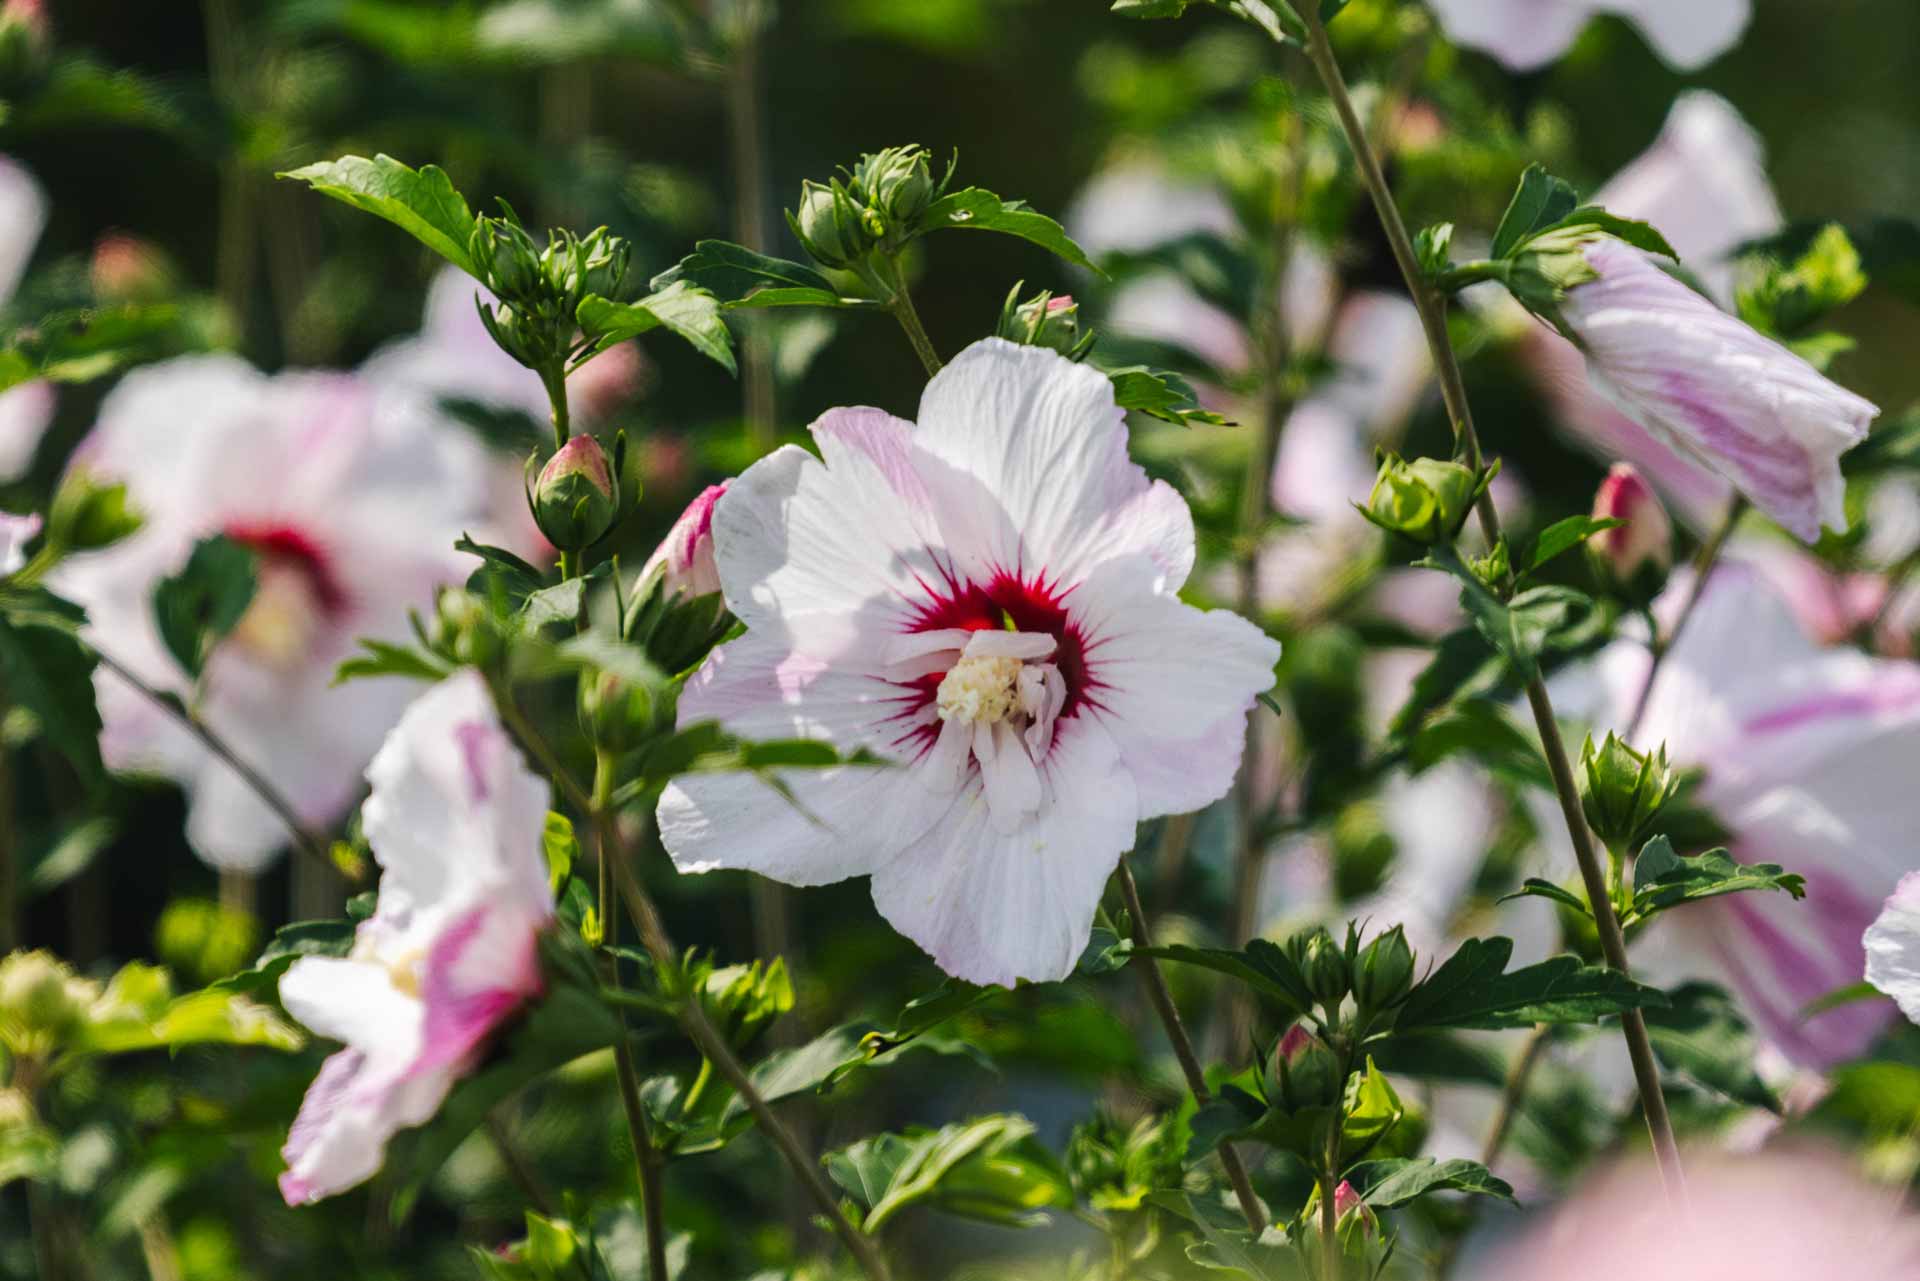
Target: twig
{"type": "Point", "coordinates": [1432, 308]}
{"type": "Point", "coordinates": [1703, 566]}
{"type": "Point", "coordinates": [1157, 992]}
{"type": "Point", "coordinates": [1514, 1094]}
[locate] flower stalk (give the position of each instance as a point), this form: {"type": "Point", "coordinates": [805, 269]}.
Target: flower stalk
{"type": "Point", "coordinates": [1703, 566]}
{"type": "Point", "coordinates": [1433, 319]}
{"type": "Point", "coordinates": [900, 303]}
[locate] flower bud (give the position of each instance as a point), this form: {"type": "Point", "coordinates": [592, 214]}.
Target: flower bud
{"type": "Point", "coordinates": [505, 259]}
{"type": "Point", "coordinates": [41, 999]}
{"type": "Point", "coordinates": [26, 40]}
{"type": "Point", "coordinates": [467, 631]}
{"type": "Point", "coordinates": [897, 184]}
{"type": "Point", "coordinates": [1305, 1070]}
{"type": "Point", "coordinates": [685, 555]}
{"type": "Point", "coordinates": [1044, 321]}
{"type": "Point", "coordinates": [616, 714]}
{"type": "Point", "coordinates": [576, 498]}
{"type": "Point", "coordinates": [1622, 791]}
{"type": "Point", "coordinates": [1642, 547]}
{"type": "Point", "coordinates": [1384, 974]}
{"type": "Point", "coordinates": [128, 269]}
{"type": "Point", "coordinates": [1426, 500]}
{"type": "Point", "coordinates": [829, 225]}
{"type": "Point", "coordinates": [88, 514]}
{"type": "Point", "coordinates": [1323, 963]}
{"type": "Point", "coordinates": [1354, 1217]}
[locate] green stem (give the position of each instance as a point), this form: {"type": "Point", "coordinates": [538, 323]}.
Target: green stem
{"type": "Point", "coordinates": [1703, 566]}
{"type": "Point", "coordinates": [1162, 998]}
{"type": "Point", "coordinates": [646, 1156]}
{"type": "Point", "coordinates": [900, 303]}
{"type": "Point", "coordinates": [9, 855]}
{"type": "Point", "coordinates": [554, 378]}
{"type": "Point", "coordinates": [1330, 1268]}
{"type": "Point", "coordinates": [1433, 319]}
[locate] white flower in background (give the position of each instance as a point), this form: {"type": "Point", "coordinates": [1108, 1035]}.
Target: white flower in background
{"type": "Point", "coordinates": [353, 506]}
{"type": "Point", "coordinates": [15, 533]}
{"type": "Point", "coordinates": [1703, 183]}
{"type": "Point", "coordinates": [455, 819]}
{"type": "Point", "coordinates": [1809, 757]}
{"type": "Point", "coordinates": [25, 410]}
{"type": "Point", "coordinates": [1528, 34]}
{"type": "Point", "coordinates": [1714, 388]}
{"type": "Point", "coordinates": [989, 599]}
{"type": "Point", "coordinates": [1892, 943]}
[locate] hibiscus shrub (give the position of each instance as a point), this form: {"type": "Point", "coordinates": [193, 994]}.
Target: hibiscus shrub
{"type": "Point", "coordinates": [1294, 843]}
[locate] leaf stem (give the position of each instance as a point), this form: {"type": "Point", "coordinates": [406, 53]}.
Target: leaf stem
{"type": "Point", "coordinates": [1703, 566]}
{"type": "Point", "coordinates": [303, 840]}
{"type": "Point", "coordinates": [1162, 999]}
{"type": "Point", "coordinates": [900, 303]}
{"type": "Point", "coordinates": [1432, 308]}
{"type": "Point", "coordinates": [1330, 1268]}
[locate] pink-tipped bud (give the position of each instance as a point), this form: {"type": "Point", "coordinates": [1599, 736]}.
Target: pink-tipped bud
{"type": "Point", "coordinates": [127, 268]}
{"type": "Point", "coordinates": [1347, 1202]}
{"type": "Point", "coordinates": [686, 553]}
{"type": "Point", "coordinates": [575, 499]}
{"type": "Point", "coordinates": [1057, 305]}
{"type": "Point", "coordinates": [26, 39]}
{"type": "Point", "coordinates": [1305, 1072]}
{"type": "Point", "coordinates": [1646, 539]}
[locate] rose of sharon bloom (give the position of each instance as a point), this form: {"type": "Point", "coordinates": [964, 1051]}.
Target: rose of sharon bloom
{"type": "Point", "coordinates": [455, 819]}
{"type": "Point", "coordinates": [685, 555]}
{"type": "Point", "coordinates": [1703, 183]}
{"type": "Point", "coordinates": [352, 507]}
{"type": "Point", "coordinates": [1716, 389]}
{"type": "Point", "coordinates": [25, 410]}
{"type": "Point", "coordinates": [1526, 34]}
{"type": "Point", "coordinates": [1773, 1216]}
{"type": "Point", "coordinates": [1808, 754]}
{"type": "Point", "coordinates": [1893, 947]}
{"type": "Point", "coordinates": [989, 599]}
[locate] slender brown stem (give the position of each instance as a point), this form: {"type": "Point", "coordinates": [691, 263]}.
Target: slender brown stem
{"type": "Point", "coordinates": [303, 840]}
{"type": "Point", "coordinates": [1514, 1094]}
{"type": "Point", "coordinates": [1162, 998]}
{"type": "Point", "coordinates": [1432, 308]}
{"type": "Point", "coordinates": [1703, 566]}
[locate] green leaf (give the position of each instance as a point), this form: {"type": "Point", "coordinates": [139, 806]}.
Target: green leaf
{"type": "Point", "coordinates": [1851, 994]}
{"type": "Point", "coordinates": [1529, 625]}
{"type": "Point", "coordinates": [1106, 952]}
{"type": "Point", "coordinates": [1534, 887]}
{"type": "Point", "coordinates": [379, 658]}
{"type": "Point", "coordinates": [1227, 1246]}
{"type": "Point", "coordinates": [986, 1168]}
{"type": "Point", "coordinates": [1473, 989]}
{"type": "Point", "coordinates": [421, 202]}
{"type": "Point", "coordinates": [561, 847]}
{"type": "Point", "coordinates": [1263, 966]}
{"type": "Point", "coordinates": [1462, 666]}
{"type": "Point", "coordinates": [1540, 201]}
{"type": "Point", "coordinates": [741, 277]}
{"type": "Point", "coordinates": [1702, 1036]}
{"type": "Point", "coordinates": [198, 606]}
{"type": "Point", "coordinates": [1564, 536]}
{"type": "Point", "coordinates": [1372, 1110]}
{"type": "Point", "coordinates": [691, 312]}
{"type": "Point", "coordinates": [975, 209]}
{"type": "Point", "coordinates": [1664, 879]}
{"type": "Point", "coordinates": [47, 670]}
{"type": "Point", "coordinates": [1484, 731]}
{"type": "Point", "coordinates": [1160, 394]}
{"type": "Point", "coordinates": [139, 1012]}
{"type": "Point", "coordinates": [1592, 218]}
{"type": "Point", "coordinates": [1385, 1184]}
{"type": "Point", "coordinates": [81, 344]}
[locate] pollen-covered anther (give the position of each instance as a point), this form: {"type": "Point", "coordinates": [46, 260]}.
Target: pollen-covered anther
{"type": "Point", "coordinates": [978, 690]}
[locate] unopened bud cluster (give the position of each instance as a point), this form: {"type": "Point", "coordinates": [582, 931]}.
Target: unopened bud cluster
{"type": "Point", "coordinates": [1623, 791]}
{"type": "Point", "coordinates": [540, 289]}
{"type": "Point", "coordinates": [1425, 499]}
{"type": "Point", "coordinates": [878, 204]}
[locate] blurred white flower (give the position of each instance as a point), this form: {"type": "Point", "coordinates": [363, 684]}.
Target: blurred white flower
{"type": "Point", "coordinates": [15, 533]}
{"type": "Point", "coordinates": [455, 819]}
{"type": "Point", "coordinates": [990, 598]}
{"type": "Point", "coordinates": [1528, 34]}
{"type": "Point", "coordinates": [25, 410]}
{"type": "Point", "coordinates": [1892, 943]}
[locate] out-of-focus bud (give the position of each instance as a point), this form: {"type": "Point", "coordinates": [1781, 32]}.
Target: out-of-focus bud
{"type": "Point", "coordinates": [1426, 500]}
{"type": "Point", "coordinates": [617, 714]}
{"type": "Point", "coordinates": [897, 185]}
{"type": "Point", "coordinates": [1623, 791]}
{"type": "Point", "coordinates": [1636, 554]}
{"type": "Point", "coordinates": [205, 940]}
{"type": "Point", "coordinates": [576, 497]}
{"type": "Point", "coordinates": [829, 226]}
{"type": "Point", "coordinates": [685, 555]}
{"type": "Point", "coordinates": [1305, 1070]}
{"type": "Point", "coordinates": [41, 1000]}
{"type": "Point", "coordinates": [467, 630]}
{"type": "Point", "coordinates": [1384, 974]}
{"type": "Point", "coordinates": [1323, 964]}
{"type": "Point", "coordinates": [1044, 321]}
{"type": "Point", "coordinates": [129, 269]}
{"type": "Point", "coordinates": [87, 514]}
{"type": "Point", "coordinates": [26, 39]}
{"type": "Point", "coordinates": [1355, 1218]}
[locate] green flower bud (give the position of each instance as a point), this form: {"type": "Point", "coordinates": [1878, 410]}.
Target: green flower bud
{"type": "Point", "coordinates": [1426, 500]}
{"type": "Point", "coordinates": [1385, 973]}
{"type": "Point", "coordinates": [1305, 1071]}
{"type": "Point", "coordinates": [467, 631]}
{"type": "Point", "coordinates": [1323, 963]}
{"type": "Point", "coordinates": [617, 714]}
{"type": "Point", "coordinates": [1623, 791]}
{"type": "Point", "coordinates": [829, 225]}
{"type": "Point", "coordinates": [576, 497]}
{"type": "Point", "coordinates": [88, 514]}
{"type": "Point", "coordinates": [896, 184]}
{"type": "Point", "coordinates": [1044, 321]}
{"type": "Point", "coordinates": [26, 41]}
{"type": "Point", "coordinates": [505, 259]}
{"type": "Point", "coordinates": [41, 1000]}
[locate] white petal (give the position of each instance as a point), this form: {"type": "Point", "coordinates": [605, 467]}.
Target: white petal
{"type": "Point", "coordinates": [756, 686]}
{"type": "Point", "coordinates": [1169, 682]}
{"type": "Point", "coordinates": [1025, 453]}
{"type": "Point", "coordinates": [944, 768]}
{"type": "Point", "coordinates": [355, 1003]}
{"type": "Point", "coordinates": [1893, 947]}
{"type": "Point", "coordinates": [454, 810]}
{"type": "Point", "coordinates": [995, 907]}
{"type": "Point", "coordinates": [23, 212]}
{"type": "Point", "coordinates": [1137, 206]}
{"type": "Point", "coordinates": [1691, 33]}
{"type": "Point", "coordinates": [1003, 644]}
{"type": "Point", "coordinates": [1523, 34]}
{"type": "Point", "coordinates": [1008, 774]}
{"type": "Point", "coordinates": [25, 411]}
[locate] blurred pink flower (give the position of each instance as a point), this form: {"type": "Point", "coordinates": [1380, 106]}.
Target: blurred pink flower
{"type": "Point", "coordinates": [1709, 386]}
{"type": "Point", "coordinates": [455, 819]}
{"type": "Point", "coordinates": [351, 498]}
{"type": "Point", "coordinates": [1703, 183]}
{"type": "Point", "coordinates": [1775, 1216]}
{"type": "Point", "coordinates": [1808, 758]}
{"type": "Point", "coordinates": [125, 267]}
{"type": "Point", "coordinates": [685, 555]}
{"type": "Point", "coordinates": [1647, 536]}
{"type": "Point", "coordinates": [25, 410]}
{"type": "Point", "coordinates": [1528, 34]}
{"type": "Point", "coordinates": [989, 596]}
